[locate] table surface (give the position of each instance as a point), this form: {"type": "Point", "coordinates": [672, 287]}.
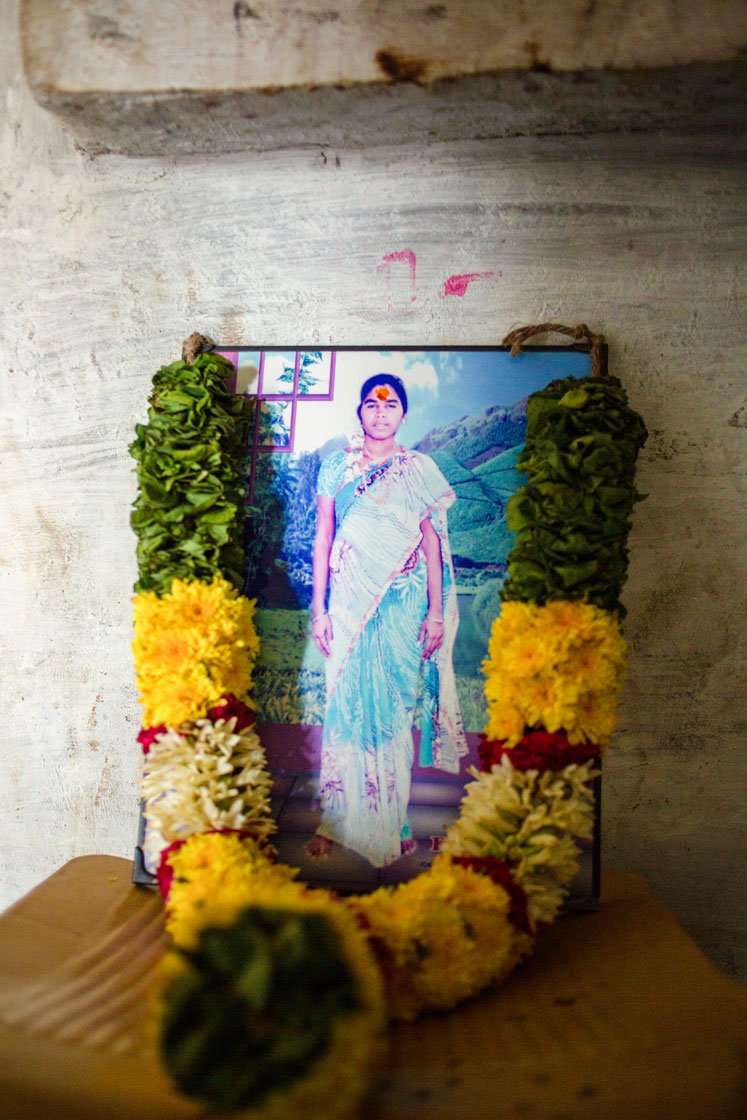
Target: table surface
{"type": "Point", "coordinates": [617, 1015]}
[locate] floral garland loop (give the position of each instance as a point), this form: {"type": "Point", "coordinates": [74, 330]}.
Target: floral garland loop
{"type": "Point", "coordinates": [247, 937]}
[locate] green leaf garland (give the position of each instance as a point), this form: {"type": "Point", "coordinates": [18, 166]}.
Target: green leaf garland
{"type": "Point", "coordinates": [573, 516]}
{"type": "Point", "coordinates": [188, 516]}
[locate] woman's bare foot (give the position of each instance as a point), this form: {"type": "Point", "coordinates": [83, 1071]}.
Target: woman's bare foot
{"type": "Point", "coordinates": [407, 846]}
{"type": "Point", "coordinates": [318, 847]}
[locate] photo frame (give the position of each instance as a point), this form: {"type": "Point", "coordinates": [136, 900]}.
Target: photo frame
{"type": "Point", "coordinates": [467, 414]}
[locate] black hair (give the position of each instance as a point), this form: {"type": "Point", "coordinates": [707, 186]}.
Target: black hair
{"type": "Point", "coordinates": [383, 379]}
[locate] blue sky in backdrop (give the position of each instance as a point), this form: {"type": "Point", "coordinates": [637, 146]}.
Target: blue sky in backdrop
{"type": "Point", "coordinates": [442, 386]}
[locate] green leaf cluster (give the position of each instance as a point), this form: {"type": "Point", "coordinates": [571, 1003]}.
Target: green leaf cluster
{"type": "Point", "coordinates": [255, 1006]}
{"type": "Point", "coordinates": [189, 513]}
{"type": "Point", "coordinates": [573, 516]}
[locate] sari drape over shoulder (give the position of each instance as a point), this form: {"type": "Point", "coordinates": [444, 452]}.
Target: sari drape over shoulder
{"type": "Point", "coordinates": [377, 602]}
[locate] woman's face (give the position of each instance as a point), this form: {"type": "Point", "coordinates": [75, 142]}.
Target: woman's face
{"type": "Point", "coordinates": [382, 412]}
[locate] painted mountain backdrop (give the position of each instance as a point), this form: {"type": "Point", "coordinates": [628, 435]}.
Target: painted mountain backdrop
{"type": "Point", "coordinates": [477, 455]}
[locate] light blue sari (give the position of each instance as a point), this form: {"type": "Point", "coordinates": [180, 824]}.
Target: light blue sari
{"type": "Point", "coordinates": [377, 603]}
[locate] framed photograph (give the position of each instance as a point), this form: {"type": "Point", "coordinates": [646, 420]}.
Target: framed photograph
{"type": "Point", "coordinates": [376, 550]}
{"type": "Point", "coordinates": [377, 481]}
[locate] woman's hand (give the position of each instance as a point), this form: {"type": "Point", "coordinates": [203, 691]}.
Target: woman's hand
{"type": "Point", "coordinates": [321, 632]}
{"type": "Point", "coordinates": [431, 636]}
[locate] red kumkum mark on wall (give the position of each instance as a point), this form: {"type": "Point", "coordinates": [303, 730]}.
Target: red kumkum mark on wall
{"type": "Point", "coordinates": [401, 256]}
{"type": "Point", "coordinates": [457, 285]}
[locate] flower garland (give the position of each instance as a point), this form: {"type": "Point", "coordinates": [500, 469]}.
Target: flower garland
{"type": "Point", "coordinates": [273, 996]}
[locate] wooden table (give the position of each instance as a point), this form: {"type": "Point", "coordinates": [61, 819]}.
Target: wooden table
{"type": "Point", "coordinates": [618, 1015]}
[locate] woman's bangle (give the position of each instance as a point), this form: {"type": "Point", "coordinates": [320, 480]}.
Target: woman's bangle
{"type": "Point", "coordinates": [315, 618]}
{"type": "Point", "coordinates": [432, 618]}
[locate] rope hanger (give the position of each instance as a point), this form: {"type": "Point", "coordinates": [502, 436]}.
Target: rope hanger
{"type": "Point", "coordinates": [580, 333]}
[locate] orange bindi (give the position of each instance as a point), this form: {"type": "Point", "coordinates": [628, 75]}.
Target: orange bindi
{"type": "Point", "coordinates": [382, 392]}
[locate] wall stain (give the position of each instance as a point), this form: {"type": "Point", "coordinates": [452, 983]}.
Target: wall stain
{"type": "Point", "coordinates": [57, 543]}
{"type": "Point", "coordinates": [400, 68]}
{"type": "Point", "coordinates": [328, 16]}
{"type": "Point", "coordinates": [96, 364]}
{"type": "Point", "coordinates": [231, 328]}
{"type": "Point", "coordinates": [71, 744]}
{"type": "Point", "coordinates": [191, 291]}
{"type": "Point", "coordinates": [242, 11]}
{"type": "Point", "coordinates": [534, 60]}
{"type": "Point", "coordinates": [106, 29]}
{"type": "Point", "coordinates": [663, 446]}
{"type": "Point", "coordinates": [104, 788]}
{"type": "Point", "coordinates": [92, 721]}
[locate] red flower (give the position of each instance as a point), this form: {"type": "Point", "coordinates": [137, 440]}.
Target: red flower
{"type": "Point", "coordinates": [232, 707]}
{"type": "Point", "coordinates": [538, 750]}
{"type": "Point", "coordinates": [164, 872]}
{"type": "Point", "coordinates": [148, 734]}
{"type": "Point", "coordinates": [500, 872]}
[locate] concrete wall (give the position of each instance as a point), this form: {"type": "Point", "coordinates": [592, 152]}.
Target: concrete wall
{"type": "Point", "coordinates": [108, 263]}
{"type": "Point", "coordinates": [184, 76]}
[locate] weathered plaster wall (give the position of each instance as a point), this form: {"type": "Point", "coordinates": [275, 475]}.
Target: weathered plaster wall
{"type": "Point", "coordinates": [107, 263]}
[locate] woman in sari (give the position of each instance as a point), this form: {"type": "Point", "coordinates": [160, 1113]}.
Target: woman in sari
{"type": "Point", "coordinates": [387, 634]}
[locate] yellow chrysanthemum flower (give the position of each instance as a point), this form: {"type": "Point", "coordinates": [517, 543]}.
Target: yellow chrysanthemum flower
{"type": "Point", "coordinates": [557, 666]}
{"type": "Point", "coordinates": [443, 936]}
{"type": "Point", "coordinates": [214, 875]}
{"type": "Point", "coordinates": [191, 647]}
